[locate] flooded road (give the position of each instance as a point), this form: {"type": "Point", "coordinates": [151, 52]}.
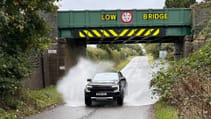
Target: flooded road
{"type": "Point", "coordinates": [139, 74]}
{"type": "Point", "coordinates": [137, 104]}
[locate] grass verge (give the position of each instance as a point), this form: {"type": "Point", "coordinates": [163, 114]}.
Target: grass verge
{"type": "Point", "coordinates": [44, 97]}
{"type": "Point", "coordinates": [122, 64]}
{"type": "Point", "coordinates": [33, 102]}
{"type": "Point", "coordinates": [6, 115]}
{"type": "Point", "coordinates": [164, 111]}
{"type": "Point", "coordinates": [150, 58]}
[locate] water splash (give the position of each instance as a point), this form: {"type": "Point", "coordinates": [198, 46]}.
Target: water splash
{"type": "Point", "coordinates": [72, 85]}
{"type": "Point", "coordinates": [138, 74]}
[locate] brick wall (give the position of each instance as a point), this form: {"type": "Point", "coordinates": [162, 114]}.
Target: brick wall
{"type": "Point", "coordinates": [46, 71]}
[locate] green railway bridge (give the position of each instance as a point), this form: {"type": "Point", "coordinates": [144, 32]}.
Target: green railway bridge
{"type": "Point", "coordinates": [79, 28]}
{"type": "Point", "coordinates": [76, 29]}
{"type": "Point", "coordinates": [125, 26]}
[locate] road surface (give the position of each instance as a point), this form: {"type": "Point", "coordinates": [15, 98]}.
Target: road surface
{"type": "Point", "coordinates": [138, 102]}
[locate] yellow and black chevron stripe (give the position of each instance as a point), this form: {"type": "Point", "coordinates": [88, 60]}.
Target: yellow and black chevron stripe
{"type": "Point", "coordinates": [109, 33]}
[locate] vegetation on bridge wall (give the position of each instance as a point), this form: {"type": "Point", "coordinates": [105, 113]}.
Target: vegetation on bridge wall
{"type": "Point", "coordinates": [186, 84]}
{"type": "Point", "coordinates": [179, 3]}
{"type": "Point", "coordinates": [201, 18]}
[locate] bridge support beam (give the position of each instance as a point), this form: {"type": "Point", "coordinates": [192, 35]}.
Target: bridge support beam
{"type": "Point", "coordinates": [179, 49]}
{"type": "Point", "coordinates": [73, 49]}
{"type": "Point", "coordinates": [188, 46]}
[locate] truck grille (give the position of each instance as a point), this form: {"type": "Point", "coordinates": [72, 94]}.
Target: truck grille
{"type": "Point", "coordinates": [102, 88]}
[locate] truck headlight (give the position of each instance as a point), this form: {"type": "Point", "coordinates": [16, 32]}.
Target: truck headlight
{"type": "Point", "coordinates": [116, 88]}
{"type": "Point", "coordinates": [88, 88]}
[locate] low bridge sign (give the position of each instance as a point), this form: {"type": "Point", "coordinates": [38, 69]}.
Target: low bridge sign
{"type": "Point", "coordinates": [125, 26]}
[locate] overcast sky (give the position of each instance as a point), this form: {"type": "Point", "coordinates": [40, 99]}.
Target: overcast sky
{"type": "Point", "coordinates": [111, 4]}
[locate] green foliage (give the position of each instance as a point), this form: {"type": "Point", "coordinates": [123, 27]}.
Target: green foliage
{"type": "Point", "coordinates": [153, 49]}
{"type": "Point", "coordinates": [202, 28]}
{"type": "Point", "coordinates": [150, 58]}
{"type": "Point", "coordinates": [165, 111]}
{"type": "Point", "coordinates": [115, 56]}
{"type": "Point", "coordinates": [13, 69]}
{"type": "Point", "coordinates": [122, 64]}
{"type": "Point", "coordinates": [5, 115]}
{"type": "Point", "coordinates": [187, 85]}
{"type": "Point", "coordinates": [44, 97]}
{"type": "Point", "coordinates": [201, 5]}
{"type": "Point", "coordinates": [37, 100]}
{"type": "Point", "coordinates": [23, 35]}
{"type": "Point", "coordinates": [32, 101]}
{"type": "Point", "coordinates": [114, 52]}
{"type": "Point", "coordinates": [97, 54]}
{"type": "Point", "coordinates": [179, 3]}
{"type": "Point", "coordinates": [206, 31]}
{"type": "Point", "coordinates": [21, 26]}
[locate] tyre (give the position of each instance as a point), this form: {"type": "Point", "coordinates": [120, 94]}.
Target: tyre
{"type": "Point", "coordinates": [88, 101]}
{"type": "Point", "coordinates": [120, 100]}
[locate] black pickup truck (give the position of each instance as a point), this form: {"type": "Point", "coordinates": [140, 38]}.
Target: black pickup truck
{"type": "Point", "coordinates": [106, 86]}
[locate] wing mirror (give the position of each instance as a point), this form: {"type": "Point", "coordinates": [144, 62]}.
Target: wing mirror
{"type": "Point", "coordinates": [123, 77]}
{"type": "Point", "coordinates": [89, 80]}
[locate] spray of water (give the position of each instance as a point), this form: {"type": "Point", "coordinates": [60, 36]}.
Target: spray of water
{"type": "Point", "coordinates": [72, 85]}
{"type": "Point", "coordinates": [137, 72]}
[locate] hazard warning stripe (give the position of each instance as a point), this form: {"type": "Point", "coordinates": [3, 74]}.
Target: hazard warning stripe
{"type": "Point", "coordinates": [140, 32]}
{"type": "Point", "coordinates": [81, 35]}
{"type": "Point", "coordinates": [109, 33]}
{"type": "Point", "coordinates": [149, 31]}
{"type": "Point", "coordinates": [156, 32]}
{"type": "Point", "coordinates": [105, 33]}
{"type": "Point", "coordinates": [123, 32]}
{"type": "Point", "coordinates": [88, 33]}
{"type": "Point", "coordinates": [131, 33]}
{"type": "Point", "coordinates": [113, 32]}
{"type": "Point", "coordinates": [96, 33]}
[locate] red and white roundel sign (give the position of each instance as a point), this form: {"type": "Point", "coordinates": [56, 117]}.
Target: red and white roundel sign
{"type": "Point", "coordinates": [126, 16]}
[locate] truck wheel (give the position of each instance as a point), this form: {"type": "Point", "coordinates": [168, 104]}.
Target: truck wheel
{"type": "Point", "coordinates": [120, 100]}
{"type": "Point", "coordinates": [88, 101]}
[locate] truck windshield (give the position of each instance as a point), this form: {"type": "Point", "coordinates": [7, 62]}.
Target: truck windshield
{"type": "Point", "coordinates": [105, 77]}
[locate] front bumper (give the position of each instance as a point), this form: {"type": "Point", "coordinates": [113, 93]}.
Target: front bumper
{"type": "Point", "coordinates": [108, 96]}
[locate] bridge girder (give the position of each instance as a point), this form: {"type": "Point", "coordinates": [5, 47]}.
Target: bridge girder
{"type": "Point", "coordinates": [125, 26]}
